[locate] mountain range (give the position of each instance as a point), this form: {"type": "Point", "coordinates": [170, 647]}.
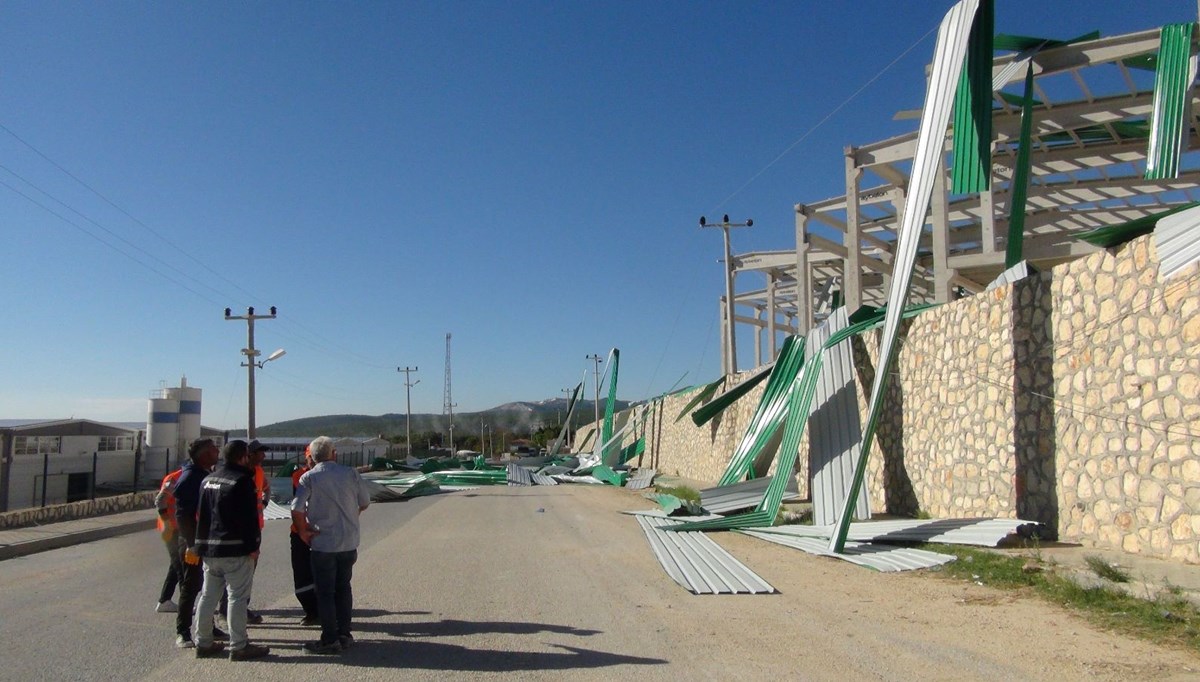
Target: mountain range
{"type": "Point", "coordinates": [518, 418]}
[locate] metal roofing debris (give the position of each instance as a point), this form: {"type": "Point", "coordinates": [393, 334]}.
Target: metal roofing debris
{"type": "Point", "coordinates": [1015, 273]}
{"type": "Point", "coordinates": [699, 564]}
{"type": "Point", "coordinates": [562, 434]}
{"type": "Point", "coordinates": [1171, 120]}
{"type": "Point", "coordinates": [1114, 235]}
{"type": "Point", "coordinates": [986, 532]}
{"type": "Point", "coordinates": [834, 428]}
{"type": "Point", "coordinates": [1019, 188]}
{"type": "Point", "coordinates": [881, 558]}
{"type": "Point", "coordinates": [770, 411]}
{"type": "Point", "coordinates": [642, 478]}
{"type": "Point", "coordinates": [948, 58]}
{"type": "Point", "coordinates": [543, 479]}
{"type": "Point", "coordinates": [519, 475]}
{"type": "Point", "coordinates": [973, 109]}
{"type": "Point", "coordinates": [1177, 239]}
{"type": "Point", "coordinates": [744, 495]}
{"type": "Point", "coordinates": [276, 512]}
{"type": "Point", "coordinates": [719, 403]}
{"type": "Point", "coordinates": [704, 394]}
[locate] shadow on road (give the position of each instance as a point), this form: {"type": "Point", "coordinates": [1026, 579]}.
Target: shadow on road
{"type": "Point", "coordinates": [456, 628]}
{"type": "Point", "coordinates": [452, 657]}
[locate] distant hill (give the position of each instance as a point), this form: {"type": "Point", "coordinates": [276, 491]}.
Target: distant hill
{"type": "Point", "coordinates": [515, 417]}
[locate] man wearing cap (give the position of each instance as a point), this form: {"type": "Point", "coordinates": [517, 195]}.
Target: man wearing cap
{"type": "Point", "coordinates": [326, 508]}
{"type": "Point", "coordinates": [228, 537]}
{"type": "Point", "coordinates": [202, 456]}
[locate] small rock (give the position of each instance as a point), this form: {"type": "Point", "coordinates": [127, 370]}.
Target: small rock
{"type": "Point", "coordinates": [1031, 567]}
{"type": "Point", "coordinates": [541, 510]}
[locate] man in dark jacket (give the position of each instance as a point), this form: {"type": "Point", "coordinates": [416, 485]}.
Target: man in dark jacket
{"type": "Point", "coordinates": [202, 456]}
{"type": "Point", "coordinates": [228, 537]}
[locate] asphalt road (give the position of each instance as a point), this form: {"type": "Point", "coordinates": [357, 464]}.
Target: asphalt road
{"type": "Point", "coordinates": [553, 583]}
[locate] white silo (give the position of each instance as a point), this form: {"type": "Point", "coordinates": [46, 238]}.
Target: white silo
{"type": "Point", "coordinates": [189, 412]}
{"type": "Point", "coordinates": [162, 423]}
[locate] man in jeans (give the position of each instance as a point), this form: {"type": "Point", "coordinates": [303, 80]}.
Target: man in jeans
{"type": "Point", "coordinates": [326, 508]}
{"type": "Point", "coordinates": [228, 538]}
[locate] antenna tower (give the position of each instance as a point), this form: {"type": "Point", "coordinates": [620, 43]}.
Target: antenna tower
{"type": "Point", "coordinates": [448, 404]}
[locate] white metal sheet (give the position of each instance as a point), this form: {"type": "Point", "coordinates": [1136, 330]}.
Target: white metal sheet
{"type": "Point", "coordinates": [884, 558]}
{"type": "Point", "coordinates": [1177, 238]}
{"type": "Point", "coordinates": [699, 564]}
{"type": "Point", "coordinates": [642, 479]}
{"type": "Point", "coordinates": [834, 428]}
{"type": "Point", "coordinates": [981, 532]}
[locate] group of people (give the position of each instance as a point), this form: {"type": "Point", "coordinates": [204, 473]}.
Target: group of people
{"type": "Point", "coordinates": [211, 519]}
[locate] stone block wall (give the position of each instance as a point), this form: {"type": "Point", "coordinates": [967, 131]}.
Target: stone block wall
{"type": "Point", "coordinates": [1071, 398]}
{"type": "Point", "coordinates": [101, 506]}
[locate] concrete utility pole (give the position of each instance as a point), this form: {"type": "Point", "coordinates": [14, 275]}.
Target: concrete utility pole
{"type": "Point", "coordinates": [596, 403]}
{"type": "Point", "coordinates": [408, 405]}
{"type": "Point", "coordinates": [250, 352]}
{"type": "Point", "coordinates": [730, 360]}
{"type": "Point", "coordinates": [447, 405]}
{"type": "Point", "coordinates": [570, 414]}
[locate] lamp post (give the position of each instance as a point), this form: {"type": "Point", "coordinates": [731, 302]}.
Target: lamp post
{"type": "Point", "coordinates": [596, 402]}
{"type": "Point", "coordinates": [251, 353]}
{"type": "Point", "coordinates": [408, 406]}
{"type": "Point", "coordinates": [730, 359]}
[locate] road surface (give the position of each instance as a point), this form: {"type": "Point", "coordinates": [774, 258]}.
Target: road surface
{"type": "Point", "coordinates": [552, 583]}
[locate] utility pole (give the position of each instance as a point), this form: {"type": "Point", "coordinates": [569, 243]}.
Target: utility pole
{"type": "Point", "coordinates": [448, 405]}
{"type": "Point", "coordinates": [251, 353]}
{"type": "Point", "coordinates": [570, 429]}
{"type": "Point", "coordinates": [730, 359]}
{"type": "Point", "coordinates": [408, 384]}
{"type": "Point", "coordinates": [596, 402]}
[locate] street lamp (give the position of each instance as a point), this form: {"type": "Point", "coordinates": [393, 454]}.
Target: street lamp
{"type": "Point", "coordinates": [251, 353]}
{"type": "Point", "coordinates": [730, 359]}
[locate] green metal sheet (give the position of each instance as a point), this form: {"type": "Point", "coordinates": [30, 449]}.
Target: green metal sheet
{"type": "Point", "coordinates": [704, 394]}
{"type": "Point", "coordinates": [718, 405]}
{"type": "Point", "coordinates": [973, 109]}
{"type": "Point", "coordinates": [1014, 43]}
{"type": "Point", "coordinates": [769, 414]}
{"type": "Point", "coordinates": [1115, 235]}
{"type": "Point", "coordinates": [606, 429]}
{"type": "Point", "coordinates": [1019, 190]}
{"type": "Point", "coordinates": [1170, 122]}
{"type": "Point", "coordinates": [607, 475]}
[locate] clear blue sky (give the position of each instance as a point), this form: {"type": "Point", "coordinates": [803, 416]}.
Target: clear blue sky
{"type": "Point", "coordinates": [526, 176]}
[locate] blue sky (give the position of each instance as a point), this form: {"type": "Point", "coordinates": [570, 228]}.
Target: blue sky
{"type": "Point", "coordinates": [526, 176]}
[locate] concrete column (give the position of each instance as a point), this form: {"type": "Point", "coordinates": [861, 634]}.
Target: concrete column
{"type": "Point", "coordinates": [758, 340]}
{"type": "Point", "coordinates": [804, 298]}
{"type": "Point", "coordinates": [987, 217]}
{"type": "Point", "coordinates": [940, 219]}
{"type": "Point", "coordinates": [852, 265]}
{"type": "Point", "coordinates": [771, 280]}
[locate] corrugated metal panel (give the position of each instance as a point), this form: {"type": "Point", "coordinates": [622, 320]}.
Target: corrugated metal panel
{"type": "Point", "coordinates": [642, 479]}
{"type": "Point", "coordinates": [519, 475]}
{"type": "Point", "coordinates": [699, 564]}
{"type": "Point", "coordinates": [704, 394]}
{"type": "Point", "coordinates": [973, 110]}
{"type": "Point", "coordinates": [834, 429]}
{"type": "Point", "coordinates": [948, 58]}
{"type": "Point", "coordinates": [543, 479]}
{"type": "Point", "coordinates": [978, 532]}
{"type": "Point", "coordinates": [1177, 239]}
{"type": "Point", "coordinates": [1018, 189]}
{"type": "Point", "coordinates": [1016, 273]}
{"type": "Point", "coordinates": [1170, 121]}
{"type": "Point", "coordinates": [590, 480]}
{"type": "Point", "coordinates": [718, 404]}
{"type": "Point", "coordinates": [276, 512]}
{"type": "Point", "coordinates": [744, 495]}
{"type": "Point", "coordinates": [770, 413]}
{"type": "Point", "coordinates": [882, 558]}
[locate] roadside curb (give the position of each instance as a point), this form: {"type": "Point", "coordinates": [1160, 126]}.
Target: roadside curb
{"type": "Point", "coordinates": [60, 540]}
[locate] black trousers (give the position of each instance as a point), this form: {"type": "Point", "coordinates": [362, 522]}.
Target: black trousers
{"type": "Point", "coordinates": [191, 579]}
{"type": "Point", "coordinates": [302, 576]}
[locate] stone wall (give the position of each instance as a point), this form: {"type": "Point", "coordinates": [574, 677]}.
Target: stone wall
{"type": "Point", "coordinates": [37, 516]}
{"type": "Point", "coordinates": [1069, 398]}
